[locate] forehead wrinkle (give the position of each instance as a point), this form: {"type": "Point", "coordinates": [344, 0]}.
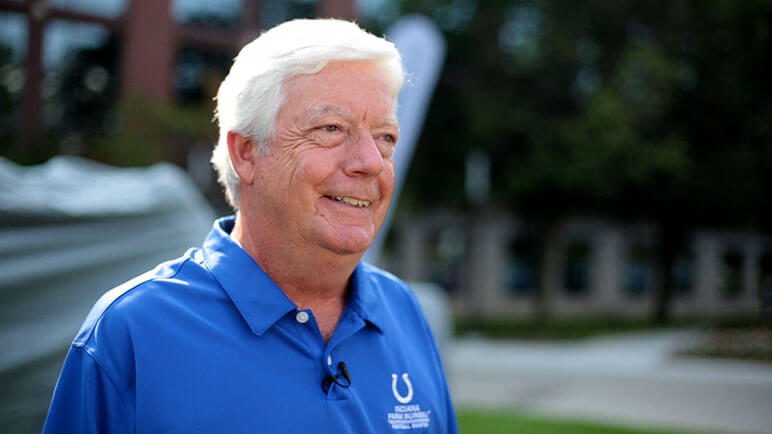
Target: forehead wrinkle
{"type": "Point", "coordinates": [334, 109]}
{"type": "Point", "coordinates": [388, 121]}
{"type": "Point", "coordinates": [343, 112]}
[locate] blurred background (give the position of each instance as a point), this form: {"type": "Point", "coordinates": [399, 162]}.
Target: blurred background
{"type": "Point", "coordinates": [588, 200]}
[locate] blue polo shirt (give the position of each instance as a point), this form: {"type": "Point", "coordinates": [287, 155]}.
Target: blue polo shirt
{"type": "Point", "coordinates": [208, 343]}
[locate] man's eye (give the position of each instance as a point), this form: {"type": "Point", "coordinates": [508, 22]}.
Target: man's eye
{"type": "Point", "coordinates": [390, 138]}
{"type": "Point", "coordinates": [330, 128]}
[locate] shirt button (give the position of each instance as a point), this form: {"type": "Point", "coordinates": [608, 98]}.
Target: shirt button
{"type": "Point", "coordinates": [329, 360]}
{"type": "Point", "coordinates": [302, 317]}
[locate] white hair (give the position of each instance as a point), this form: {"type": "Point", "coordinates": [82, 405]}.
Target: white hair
{"type": "Point", "coordinates": [250, 97]}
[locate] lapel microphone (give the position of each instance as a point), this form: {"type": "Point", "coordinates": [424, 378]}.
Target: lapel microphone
{"type": "Point", "coordinates": [345, 382]}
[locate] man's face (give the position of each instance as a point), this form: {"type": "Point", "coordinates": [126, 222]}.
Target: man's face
{"type": "Point", "coordinates": [328, 176]}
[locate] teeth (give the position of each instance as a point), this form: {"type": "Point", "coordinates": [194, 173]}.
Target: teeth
{"type": "Point", "coordinates": [352, 201]}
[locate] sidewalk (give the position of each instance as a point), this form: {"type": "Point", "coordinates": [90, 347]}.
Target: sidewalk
{"type": "Point", "coordinates": [630, 379]}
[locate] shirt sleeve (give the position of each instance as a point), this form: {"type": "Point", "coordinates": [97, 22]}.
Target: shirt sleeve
{"type": "Point", "coordinates": [86, 400]}
{"type": "Point", "coordinates": [450, 422]}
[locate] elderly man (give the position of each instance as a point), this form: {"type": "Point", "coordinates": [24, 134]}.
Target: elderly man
{"type": "Point", "coordinates": [275, 325]}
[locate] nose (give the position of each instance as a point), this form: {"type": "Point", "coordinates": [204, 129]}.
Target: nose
{"type": "Point", "coordinates": [362, 156]}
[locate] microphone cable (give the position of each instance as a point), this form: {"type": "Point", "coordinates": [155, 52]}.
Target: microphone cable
{"type": "Point", "coordinates": [345, 382]}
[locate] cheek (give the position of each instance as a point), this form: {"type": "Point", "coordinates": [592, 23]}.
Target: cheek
{"type": "Point", "coordinates": [388, 177]}
{"type": "Point", "coordinates": [313, 168]}
{"type": "Point", "coordinates": [279, 175]}
{"type": "Point", "coordinates": [389, 169]}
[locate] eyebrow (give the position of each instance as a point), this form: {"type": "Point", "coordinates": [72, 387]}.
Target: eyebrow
{"type": "Point", "coordinates": [389, 122]}
{"type": "Point", "coordinates": [344, 113]}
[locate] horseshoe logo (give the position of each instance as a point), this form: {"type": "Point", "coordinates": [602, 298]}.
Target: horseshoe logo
{"type": "Point", "coordinates": [400, 398]}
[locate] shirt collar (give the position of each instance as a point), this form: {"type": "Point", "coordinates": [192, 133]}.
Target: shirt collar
{"type": "Point", "coordinates": [259, 300]}
{"type": "Point", "coordinates": [365, 298]}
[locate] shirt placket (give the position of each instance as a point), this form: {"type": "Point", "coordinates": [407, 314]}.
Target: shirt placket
{"type": "Point", "coordinates": [334, 355]}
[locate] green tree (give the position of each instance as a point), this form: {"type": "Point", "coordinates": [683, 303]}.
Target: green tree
{"type": "Point", "coordinates": [652, 111]}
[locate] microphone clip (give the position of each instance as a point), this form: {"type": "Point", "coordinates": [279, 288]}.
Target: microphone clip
{"type": "Point", "coordinates": [343, 379]}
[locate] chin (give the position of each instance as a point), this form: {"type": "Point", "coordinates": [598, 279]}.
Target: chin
{"type": "Point", "coordinates": [349, 242]}
{"type": "Point", "coordinates": [348, 247]}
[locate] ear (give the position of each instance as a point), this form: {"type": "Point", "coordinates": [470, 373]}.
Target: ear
{"type": "Point", "coordinates": [243, 152]}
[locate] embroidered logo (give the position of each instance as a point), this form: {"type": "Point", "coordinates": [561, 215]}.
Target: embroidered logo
{"type": "Point", "coordinates": [400, 398]}
{"type": "Point", "coordinates": [406, 416]}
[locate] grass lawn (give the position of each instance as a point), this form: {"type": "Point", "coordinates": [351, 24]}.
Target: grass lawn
{"type": "Point", "coordinates": [472, 421]}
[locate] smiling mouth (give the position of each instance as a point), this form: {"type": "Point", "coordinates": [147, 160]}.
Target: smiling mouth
{"type": "Point", "coordinates": [351, 201]}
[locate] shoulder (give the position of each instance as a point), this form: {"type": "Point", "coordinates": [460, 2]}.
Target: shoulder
{"type": "Point", "coordinates": [392, 296]}
{"type": "Point", "coordinates": [380, 275]}
{"type": "Point", "coordinates": [115, 309]}
{"type": "Point", "coordinates": [387, 284]}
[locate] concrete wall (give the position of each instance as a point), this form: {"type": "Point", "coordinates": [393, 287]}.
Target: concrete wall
{"type": "Point", "coordinates": [620, 267]}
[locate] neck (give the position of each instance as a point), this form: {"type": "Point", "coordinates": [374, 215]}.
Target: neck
{"type": "Point", "coordinates": [312, 277]}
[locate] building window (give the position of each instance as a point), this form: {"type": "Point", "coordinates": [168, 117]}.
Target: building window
{"type": "Point", "coordinates": [223, 13]}
{"type": "Point", "coordinates": [109, 9]}
{"type": "Point", "coordinates": [731, 280]}
{"type": "Point", "coordinates": [79, 87]}
{"type": "Point", "coordinates": [682, 275]}
{"type": "Point", "coordinates": [522, 271]}
{"type": "Point", "coordinates": [637, 277]}
{"type": "Point", "coordinates": [576, 274]}
{"type": "Point", "coordinates": [198, 73]}
{"type": "Point", "coordinates": [277, 11]}
{"type": "Point", "coordinates": [13, 49]}
{"type": "Point", "coordinates": [765, 286]}
{"type": "Point", "coordinates": [446, 257]}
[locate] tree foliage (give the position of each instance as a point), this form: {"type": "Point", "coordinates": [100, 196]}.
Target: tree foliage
{"type": "Point", "coordinates": [631, 109]}
{"type": "Point", "coordinates": [656, 110]}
